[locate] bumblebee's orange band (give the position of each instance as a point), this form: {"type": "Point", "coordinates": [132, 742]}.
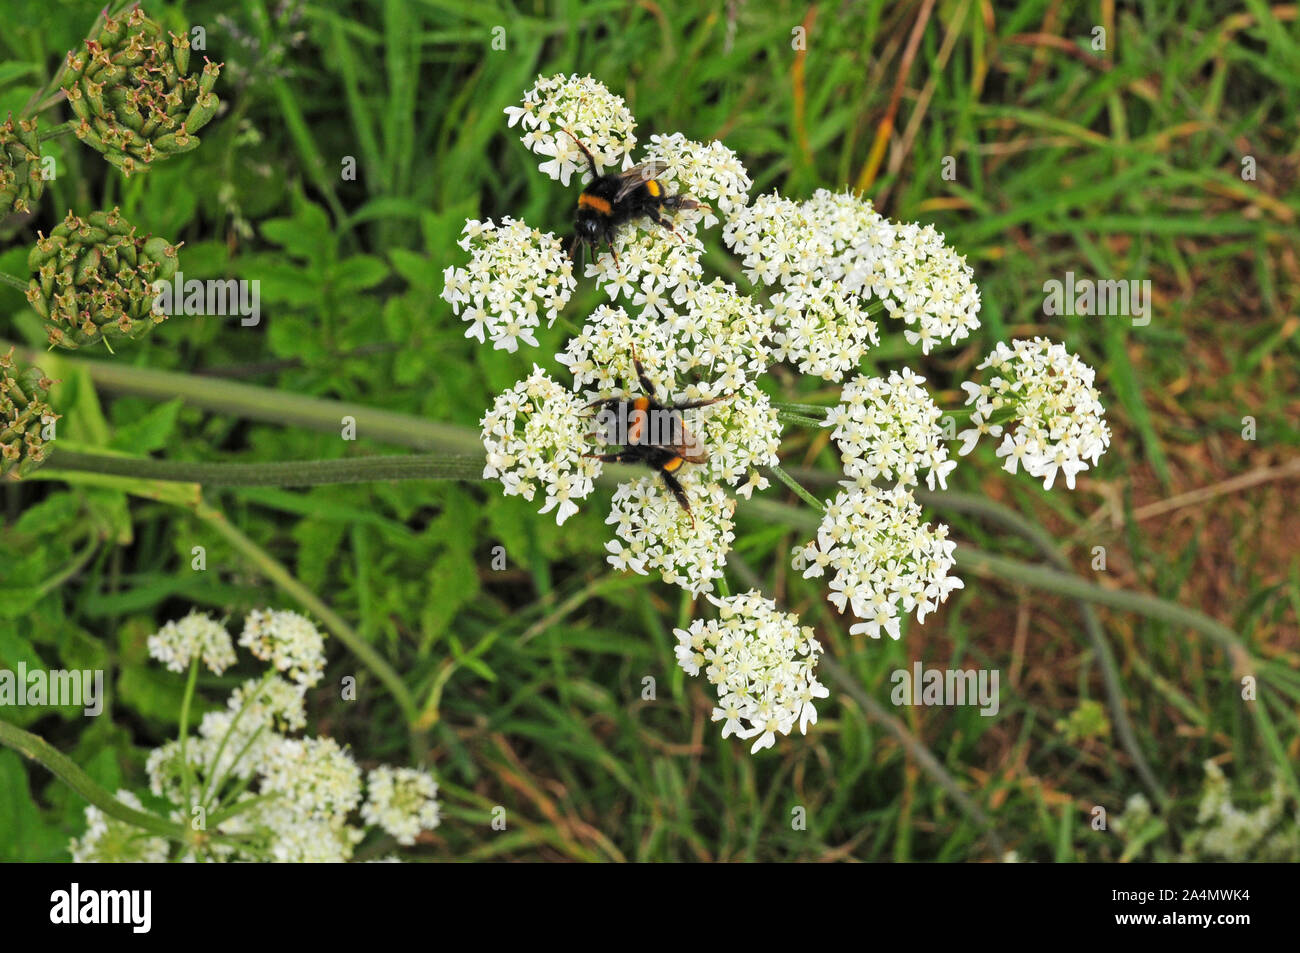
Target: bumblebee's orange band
{"type": "Point", "coordinates": [594, 201]}
{"type": "Point", "coordinates": [652, 187]}
{"type": "Point", "coordinates": [674, 464]}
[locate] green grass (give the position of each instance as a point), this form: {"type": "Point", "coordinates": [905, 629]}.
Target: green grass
{"type": "Point", "coordinates": [1116, 163]}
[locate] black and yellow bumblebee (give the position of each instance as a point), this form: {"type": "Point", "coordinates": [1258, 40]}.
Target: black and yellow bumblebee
{"type": "Point", "coordinates": [610, 200]}
{"type": "Point", "coordinates": [653, 433]}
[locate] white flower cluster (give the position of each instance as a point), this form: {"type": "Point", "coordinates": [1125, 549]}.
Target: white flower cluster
{"type": "Point", "coordinates": [274, 702]}
{"type": "Point", "coordinates": [289, 799]}
{"type": "Point", "coordinates": [885, 562]}
{"type": "Point", "coordinates": [824, 334]}
{"type": "Point", "coordinates": [687, 549]}
{"type": "Point", "coordinates": [108, 840]}
{"type": "Point", "coordinates": [818, 322]}
{"type": "Point", "coordinates": [176, 644]}
{"type": "Point", "coordinates": [653, 266]}
{"type": "Point", "coordinates": [290, 642]}
{"type": "Point", "coordinates": [719, 335]}
{"type": "Point", "coordinates": [314, 775]}
{"type": "Point", "coordinates": [890, 428]}
{"type": "Point", "coordinates": [762, 663]}
{"type": "Point", "coordinates": [1057, 424]}
{"type": "Point", "coordinates": [710, 173]}
{"type": "Point", "coordinates": [778, 242]}
{"type": "Point", "coordinates": [403, 801]}
{"type": "Point", "coordinates": [742, 434]}
{"type": "Point", "coordinates": [1222, 831]}
{"type": "Point", "coordinates": [515, 276]}
{"type": "Point", "coordinates": [1227, 832]}
{"type": "Point", "coordinates": [922, 281]}
{"type": "Point", "coordinates": [534, 436]}
{"type": "Point", "coordinates": [585, 108]}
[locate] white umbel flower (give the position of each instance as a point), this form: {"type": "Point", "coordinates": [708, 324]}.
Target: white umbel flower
{"type": "Point", "coordinates": [1057, 423]}
{"type": "Point", "coordinates": [742, 435]}
{"type": "Point", "coordinates": [290, 642]}
{"type": "Point", "coordinates": [922, 281]}
{"type": "Point", "coordinates": [278, 704]}
{"type": "Point", "coordinates": [534, 437]}
{"type": "Point", "coordinates": [176, 644]}
{"type": "Point", "coordinates": [313, 775]}
{"type": "Point", "coordinates": [890, 428]}
{"type": "Point", "coordinates": [653, 263]}
{"type": "Point", "coordinates": [710, 173]}
{"type": "Point", "coordinates": [714, 336]}
{"type": "Point", "coordinates": [824, 332]}
{"type": "Point", "coordinates": [403, 801]}
{"type": "Point", "coordinates": [884, 562]}
{"type": "Point", "coordinates": [110, 841]}
{"type": "Point", "coordinates": [761, 661]}
{"type": "Point", "coordinates": [778, 242]}
{"type": "Point", "coordinates": [656, 534]}
{"type": "Point", "coordinates": [585, 108]}
{"type": "Point", "coordinates": [516, 276]}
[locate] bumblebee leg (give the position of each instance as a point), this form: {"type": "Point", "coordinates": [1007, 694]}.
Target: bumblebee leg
{"type": "Point", "coordinates": [641, 375]}
{"type": "Point", "coordinates": [684, 202]}
{"type": "Point", "coordinates": [660, 220]}
{"type": "Point", "coordinates": [621, 456]}
{"type": "Point", "coordinates": [692, 404]}
{"type": "Point", "coordinates": [679, 492]}
{"type": "Point", "coordinates": [591, 160]}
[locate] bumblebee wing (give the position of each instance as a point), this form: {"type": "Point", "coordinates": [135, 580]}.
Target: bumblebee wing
{"type": "Point", "coordinates": [639, 175]}
{"type": "Point", "coordinates": [689, 448]}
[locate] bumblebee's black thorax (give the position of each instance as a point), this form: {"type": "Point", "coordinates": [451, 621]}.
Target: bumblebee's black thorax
{"type": "Point", "coordinates": [598, 200]}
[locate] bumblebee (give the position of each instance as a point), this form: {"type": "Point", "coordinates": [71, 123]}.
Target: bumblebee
{"type": "Point", "coordinates": [653, 433]}
{"type": "Point", "coordinates": [611, 200]}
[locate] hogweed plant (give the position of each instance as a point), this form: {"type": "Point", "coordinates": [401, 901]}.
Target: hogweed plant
{"type": "Point", "coordinates": [243, 786]}
{"type": "Point", "coordinates": [683, 369]}
{"type": "Point", "coordinates": [823, 277]}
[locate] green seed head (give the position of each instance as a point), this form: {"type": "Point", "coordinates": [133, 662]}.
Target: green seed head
{"type": "Point", "coordinates": [93, 279]}
{"type": "Point", "coordinates": [26, 418]}
{"type": "Point", "coordinates": [20, 166]}
{"type": "Point", "coordinates": [134, 92]}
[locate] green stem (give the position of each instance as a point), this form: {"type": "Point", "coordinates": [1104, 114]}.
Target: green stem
{"type": "Point", "coordinates": [215, 778]}
{"type": "Point", "coordinates": [285, 580]}
{"type": "Point", "coordinates": [78, 563]}
{"type": "Point", "coordinates": [187, 774]}
{"type": "Point", "coordinates": [922, 755]}
{"type": "Point", "coordinates": [62, 767]}
{"type": "Point", "coordinates": [261, 403]}
{"type": "Point", "coordinates": [1041, 577]}
{"type": "Point", "coordinates": [55, 131]}
{"type": "Point", "coordinates": [281, 473]}
{"type": "Point", "coordinates": [800, 419]}
{"type": "Point", "coordinates": [798, 490]}
{"type": "Point", "coordinates": [13, 281]}
{"type": "Point", "coordinates": [227, 813]}
{"type": "Point", "coordinates": [1009, 518]}
{"type": "Point", "coordinates": [808, 410]}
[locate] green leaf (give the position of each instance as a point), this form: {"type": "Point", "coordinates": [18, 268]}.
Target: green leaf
{"type": "Point", "coordinates": [152, 431]}
{"type": "Point", "coordinates": [358, 273]}
{"type": "Point", "coordinates": [28, 836]}
{"type": "Point", "coordinates": [306, 235]}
